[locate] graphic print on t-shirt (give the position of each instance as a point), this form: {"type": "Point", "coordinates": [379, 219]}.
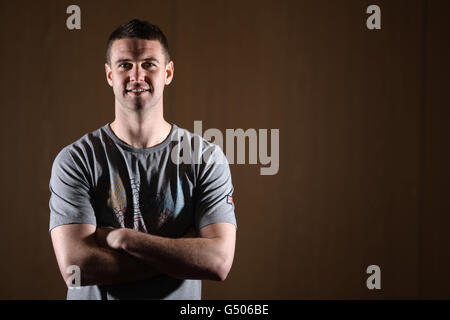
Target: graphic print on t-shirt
{"type": "Point", "coordinates": [150, 212]}
{"type": "Point", "coordinates": [161, 209]}
{"type": "Point", "coordinates": [138, 220]}
{"type": "Point", "coordinates": [117, 200]}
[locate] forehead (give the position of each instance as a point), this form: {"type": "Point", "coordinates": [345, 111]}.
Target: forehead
{"type": "Point", "coordinates": [136, 48]}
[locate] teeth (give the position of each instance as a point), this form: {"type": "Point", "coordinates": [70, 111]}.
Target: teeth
{"type": "Point", "coordinates": [138, 90]}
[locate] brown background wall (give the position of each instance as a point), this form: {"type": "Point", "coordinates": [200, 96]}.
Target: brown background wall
{"type": "Point", "coordinates": [363, 118]}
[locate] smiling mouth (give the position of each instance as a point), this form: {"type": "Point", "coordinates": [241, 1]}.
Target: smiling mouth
{"type": "Point", "coordinates": [137, 91]}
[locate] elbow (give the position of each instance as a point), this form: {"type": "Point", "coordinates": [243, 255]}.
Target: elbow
{"type": "Point", "coordinates": [222, 268]}
{"type": "Point", "coordinates": [222, 275]}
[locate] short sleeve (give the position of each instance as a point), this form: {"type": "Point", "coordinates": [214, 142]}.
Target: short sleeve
{"type": "Point", "coordinates": [70, 199]}
{"type": "Point", "coordinates": [214, 192]}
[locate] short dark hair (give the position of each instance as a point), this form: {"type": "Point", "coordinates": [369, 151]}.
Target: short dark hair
{"type": "Point", "coordinates": [137, 29]}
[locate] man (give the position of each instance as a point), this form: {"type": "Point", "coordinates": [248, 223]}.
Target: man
{"type": "Point", "coordinates": [126, 208]}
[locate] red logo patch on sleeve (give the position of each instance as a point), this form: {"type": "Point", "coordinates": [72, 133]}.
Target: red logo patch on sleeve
{"type": "Point", "coordinates": [230, 199]}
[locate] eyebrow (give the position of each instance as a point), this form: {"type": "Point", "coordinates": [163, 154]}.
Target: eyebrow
{"type": "Point", "coordinates": [151, 59]}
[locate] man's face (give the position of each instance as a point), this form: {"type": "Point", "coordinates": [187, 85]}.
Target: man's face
{"type": "Point", "coordinates": [138, 73]}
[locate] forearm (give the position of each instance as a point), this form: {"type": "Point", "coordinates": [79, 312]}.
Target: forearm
{"type": "Point", "coordinates": [101, 266]}
{"type": "Point", "coordinates": [186, 258]}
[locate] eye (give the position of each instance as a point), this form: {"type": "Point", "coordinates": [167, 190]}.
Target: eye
{"type": "Point", "coordinates": [148, 65]}
{"type": "Point", "coordinates": [124, 65]}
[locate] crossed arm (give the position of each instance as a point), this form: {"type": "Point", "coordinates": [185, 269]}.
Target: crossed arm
{"type": "Point", "coordinates": [109, 256]}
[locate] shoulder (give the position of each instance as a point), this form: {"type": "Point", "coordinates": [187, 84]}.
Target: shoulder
{"type": "Point", "coordinates": [77, 153]}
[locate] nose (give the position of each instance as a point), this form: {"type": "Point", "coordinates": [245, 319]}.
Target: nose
{"type": "Point", "coordinates": [137, 73]}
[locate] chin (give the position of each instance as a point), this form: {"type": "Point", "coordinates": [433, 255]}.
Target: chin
{"type": "Point", "coordinates": [140, 106]}
{"type": "Point", "coordinates": [137, 104]}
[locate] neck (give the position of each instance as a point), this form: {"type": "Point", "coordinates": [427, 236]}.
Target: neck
{"type": "Point", "coordinates": [140, 129]}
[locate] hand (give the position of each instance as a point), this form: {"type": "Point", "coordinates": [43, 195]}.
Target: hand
{"type": "Point", "coordinates": [110, 237]}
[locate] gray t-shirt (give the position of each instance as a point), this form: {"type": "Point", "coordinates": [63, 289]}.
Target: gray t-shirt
{"type": "Point", "coordinates": [164, 190]}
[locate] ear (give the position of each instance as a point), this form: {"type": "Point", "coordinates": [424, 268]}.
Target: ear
{"type": "Point", "coordinates": [108, 72]}
{"type": "Point", "coordinates": [169, 73]}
